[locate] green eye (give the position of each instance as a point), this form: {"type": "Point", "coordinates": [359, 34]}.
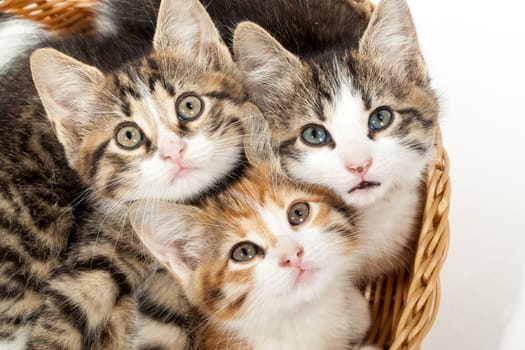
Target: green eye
{"type": "Point", "coordinates": [245, 251]}
{"type": "Point", "coordinates": [315, 135]}
{"type": "Point", "coordinates": [189, 107]}
{"type": "Point", "coordinates": [129, 136]}
{"type": "Point", "coordinates": [298, 213]}
{"type": "Point", "coordinates": [380, 119]}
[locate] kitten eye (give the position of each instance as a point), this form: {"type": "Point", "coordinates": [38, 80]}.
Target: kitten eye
{"type": "Point", "coordinates": [245, 251]}
{"type": "Point", "coordinates": [380, 119]}
{"type": "Point", "coordinates": [129, 136]}
{"type": "Point", "coordinates": [315, 135]}
{"type": "Point", "coordinates": [298, 213]}
{"type": "Point", "coordinates": [189, 107]}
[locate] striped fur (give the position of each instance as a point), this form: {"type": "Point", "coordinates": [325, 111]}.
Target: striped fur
{"type": "Point", "coordinates": [72, 274]}
{"type": "Point", "coordinates": [339, 90]}
{"type": "Point", "coordinates": [262, 303]}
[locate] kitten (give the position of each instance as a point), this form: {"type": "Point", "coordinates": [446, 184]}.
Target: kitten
{"type": "Point", "coordinates": [360, 120]}
{"type": "Point", "coordinates": [130, 123]}
{"type": "Point", "coordinates": [265, 263]}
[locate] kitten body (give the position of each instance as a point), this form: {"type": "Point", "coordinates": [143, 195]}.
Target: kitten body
{"type": "Point", "coordinates": [128, 122]}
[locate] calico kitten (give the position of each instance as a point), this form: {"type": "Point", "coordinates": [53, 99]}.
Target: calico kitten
{"type": "Point", "coordinates": [265, 263]}
{"type": "Point", "coordinates": [360, 120]}
{"type": "Point", "coordinates": [130, 123]}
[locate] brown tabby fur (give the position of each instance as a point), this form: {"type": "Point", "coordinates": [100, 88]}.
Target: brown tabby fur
{"type": "Point", "coordinates": [71, 268]}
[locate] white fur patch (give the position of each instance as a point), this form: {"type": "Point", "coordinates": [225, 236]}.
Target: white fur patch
{"type": "Point", "coordinates": [19, 343]}
{"type": "Point", "coordinates": [16, 37]}
{"type": "Point", "coordinates": [104, 19]}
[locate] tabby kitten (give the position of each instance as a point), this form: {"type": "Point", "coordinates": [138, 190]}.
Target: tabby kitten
{"type": "Point", "coordinates": [162, 124]}
{"type": "Point", "coordinates": [360, 120]}
{"type": "Point", "coordinates": [266, 264]}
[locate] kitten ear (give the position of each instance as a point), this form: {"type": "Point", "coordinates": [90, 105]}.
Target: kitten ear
{"type": "Point", "coordinates": [264, 61]}
{"type": "Point", "coordinates": [185, 24]}
{"type": "Point", "coordinates": [391, 37]}
{"type": "Point", "coordinates": [66, 87]}
{"type": "Point", "coordinates": [171, 233]}
{"type": "Point", "coordinates": [258, 139]}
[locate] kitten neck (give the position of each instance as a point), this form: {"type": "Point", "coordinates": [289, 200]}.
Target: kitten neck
{"type": "Point", "coordinates": [307, 326]}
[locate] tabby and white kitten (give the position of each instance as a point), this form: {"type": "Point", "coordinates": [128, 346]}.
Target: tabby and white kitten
{"type": "Point", "coordinates": [266, 264]}
{"type": "Point", "coordinates": [360, 120]}
{"type": "Point", "coordinates": [128, 124]}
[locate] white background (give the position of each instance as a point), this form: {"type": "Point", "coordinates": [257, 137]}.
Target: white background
{"type": "Point", "coordinates": [476, 54]}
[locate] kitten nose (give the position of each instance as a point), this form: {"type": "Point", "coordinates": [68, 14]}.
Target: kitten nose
{"type": "Point", "coordinates": [172, 148]}
{"type": "Point", "coordinates": [292, 259]}
{"type": "Point", "coordinates": [360, 169]}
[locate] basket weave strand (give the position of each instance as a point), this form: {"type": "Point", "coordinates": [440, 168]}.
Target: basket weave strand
{"type": "Point", "coordinates": [68, 16]}
{"type": "Point", "coordinates": [404, 305]}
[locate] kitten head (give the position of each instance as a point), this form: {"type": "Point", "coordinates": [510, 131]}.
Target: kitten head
{"type": "Point", "coordinates": [360, 121]}
{"type": "Point", "coordinates": [168, 126]}
{"type": "Point", "coordinates": [263, 247]}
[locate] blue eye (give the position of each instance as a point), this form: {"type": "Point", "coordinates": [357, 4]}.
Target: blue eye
{"type": "Point", "coordinates": [315, 135]}
{"type": "Point", "coordinates": [380, 119]}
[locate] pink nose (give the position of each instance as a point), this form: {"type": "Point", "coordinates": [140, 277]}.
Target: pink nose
{"type": "Point", "coordinates": [293, 259]}
{"type": "Point", "coordinates": [172, 148]}
{"type": "Point", "coordinates": [360, 169]}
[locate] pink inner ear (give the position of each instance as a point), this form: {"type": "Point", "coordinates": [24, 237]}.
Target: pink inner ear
{"type": "Point", "coordinates": [172, 147]}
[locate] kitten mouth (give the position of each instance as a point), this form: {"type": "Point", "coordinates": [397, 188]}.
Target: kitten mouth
{"type": "Point", "coordinates": [304, 275]}
{"type": "Point", "coordinates": [181, 172]}
{"type": "Point", "coordinates": [363, 185]}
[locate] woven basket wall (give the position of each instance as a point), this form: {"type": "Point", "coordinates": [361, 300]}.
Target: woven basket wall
{"type": "Point", "coordinates": [404, 306]}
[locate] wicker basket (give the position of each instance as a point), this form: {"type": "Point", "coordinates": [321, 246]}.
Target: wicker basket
{"type": "Point", "coordinates": [56, 15]}
{"type": "Point", "coordinates": [404, 306]}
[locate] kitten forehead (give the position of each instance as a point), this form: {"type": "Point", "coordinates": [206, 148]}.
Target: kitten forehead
{"type": "Point", "coordinates": [274, 218]}
{"type": "Point", "coordinates": [346, 120]}
{"type": "Point", "coordinates": [147, 99]}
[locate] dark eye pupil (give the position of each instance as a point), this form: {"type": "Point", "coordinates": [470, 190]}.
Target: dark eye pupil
{"type": "Point", "coordinates": [189, 105]}
{"type": "Point", "coordinates": [380, 119]}
{"type": "Point", "coordinates": [129, 135]}
{"type": "Point", "coordinates": [298, 213]}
